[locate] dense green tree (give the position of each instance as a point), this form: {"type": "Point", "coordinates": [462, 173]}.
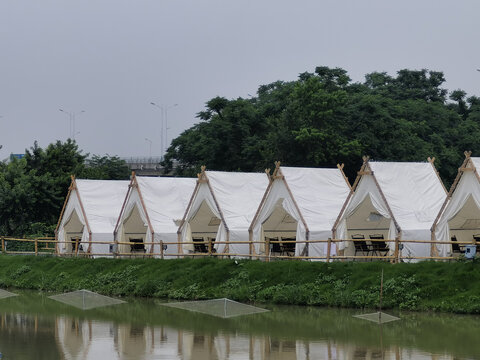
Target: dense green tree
{"type": "Point", "coordinates": [323, 118]}
{"type": "Point", "coordinates": [105, 168]}
{"type": "Point", "coordinates": [33, 189]}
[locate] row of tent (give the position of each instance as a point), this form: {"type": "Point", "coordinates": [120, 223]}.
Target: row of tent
{"type": "Point", "coordinates": [240, 213]}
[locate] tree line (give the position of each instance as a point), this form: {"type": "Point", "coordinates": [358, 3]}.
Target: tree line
{"type": "Point", "coordinates": [323, 118]}
{"type": "Point", "coordinates": [33, 188]}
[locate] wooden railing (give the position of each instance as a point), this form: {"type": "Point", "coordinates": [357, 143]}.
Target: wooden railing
{"type": "Point", "coordinates": [48, 246]}
{"type": "Point", "coordinates": [37, 246]}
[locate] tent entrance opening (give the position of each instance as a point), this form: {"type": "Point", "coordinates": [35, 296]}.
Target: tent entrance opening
{"type": "Point", "coordinates": [280, 229]}
{"type": "Point", "coordinates": [465, 226]}
{"type": "Point", "coordinates": [134, 232]}
{"type": "Point", "coordinates": [73, 234]}
{"type": "Point", "coordinates": [204, 227]}
{"type": "Point", "coordinates": [367, 229]}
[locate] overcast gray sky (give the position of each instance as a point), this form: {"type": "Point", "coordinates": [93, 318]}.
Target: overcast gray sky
{"type": "Point", "coordinates": [111, 58]}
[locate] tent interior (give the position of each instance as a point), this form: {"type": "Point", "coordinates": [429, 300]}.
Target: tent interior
{"type": "Point", "coordinates": [365, 224]}
{"type": "Point", "coordinates": [73, 229]}
{"type": "Point", "coordinates": [280, 226]}
{"type": "Point", "coordinates": [133, 230]}
{"type": "Point", "coordinates": [465, 225]}
{"type": "Point", "coordinates": [204, 227]}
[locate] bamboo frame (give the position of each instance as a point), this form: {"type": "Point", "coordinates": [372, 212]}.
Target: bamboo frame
{"type": "Point", "coordinates": [70, 188]}
{"type": "Point", "coordinates": [466, 164]}
{"type": "Point", "coordinates": [257, 213]}
{"type": "Point", "coordinates": [340, 167]}
{"type": "Point", "coordinates": [276, 175]}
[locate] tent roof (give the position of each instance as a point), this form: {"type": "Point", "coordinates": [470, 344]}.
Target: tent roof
{"type": "Point", "coordinates": [476, 162]}
{"type": "Point", "coordinates": [459, 183]}
{"type": "Point", "coordinates": [319, 194]}
{"type": "Point", "coordinates": [413, 191]}
{"type": "Point", "coordinates": [165, 199]}
{"type": "Point", "coordinates": [238, 195]}
{"type": "Point", "coordinates": [102, 201]}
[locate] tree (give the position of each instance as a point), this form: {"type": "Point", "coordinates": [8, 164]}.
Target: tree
{"type": "Point", "coordinates": [105, 168]}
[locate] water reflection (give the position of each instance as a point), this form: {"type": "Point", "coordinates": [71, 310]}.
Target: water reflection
{"type": "Point", "coordinates": [32, 327]}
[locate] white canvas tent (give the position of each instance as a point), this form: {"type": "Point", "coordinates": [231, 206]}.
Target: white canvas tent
{"type": "Point", "coordinates": [221, 209]}
{"type": "Point", "coordinates": [459, 217]}
{"type": "Point", "coordinates": [90, 212]}
{"type": "Point", "coordinates": [151, 213]}
{"type": "Point", "coordinates": [391, 200]}
{"type": "Point", "coordinates": [300, 204]}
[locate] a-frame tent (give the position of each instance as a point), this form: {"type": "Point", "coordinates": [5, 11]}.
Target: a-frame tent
{"type": "Point", "coordinates": [221, 209]}
{"type": "Point", "coordinates": [300, 204]}
{"type": "Point", "coordinates": [89, 214]}
{"type": "Point", "coordinates": [391, 201]}
{"type": "Point", "coordinates": [459, 218]}
{"type": "Point", "coordinates": [151, 213]}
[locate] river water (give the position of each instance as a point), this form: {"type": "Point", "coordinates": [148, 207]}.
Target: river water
{"type": "Point", "coordinates": [32, 326]}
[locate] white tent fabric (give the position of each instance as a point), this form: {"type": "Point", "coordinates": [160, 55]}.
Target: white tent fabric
{"type": "Point", "coordinates": [102, 201]}
{"type": "Point", "coordinates": [238, 196]}
{"type": "Point", "coordinates": [319, 195]}
{"type": "Point", "coordinates": [467, 187]}
{"type": "Point", "coordinates": [414, 194]}
{"type": "Point", "coordinates": [165, 199]}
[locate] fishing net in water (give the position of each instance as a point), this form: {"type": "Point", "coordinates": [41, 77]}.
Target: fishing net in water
{"type": "Point", "coordinates": [224, 308]}
{"type": "Point", "coordinates": [6, 294]}
{"type": "Point", "coordinates": [85, 300]}
{"type": "Point", "coordinates": [377, 317]}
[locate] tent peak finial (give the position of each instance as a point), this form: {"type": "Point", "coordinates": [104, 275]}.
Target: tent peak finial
{"type": "Point", "coordinates": [365, 158]}
{"type": "Point", "coordinates": [201, 174]}
{"type": "Point", "coordinates": [431, 160]}
{"type": "Point", "coordinates": [468, 154]}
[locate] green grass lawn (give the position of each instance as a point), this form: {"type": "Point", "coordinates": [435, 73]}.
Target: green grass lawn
{"type": "Point", "coordinates": [430, 286]}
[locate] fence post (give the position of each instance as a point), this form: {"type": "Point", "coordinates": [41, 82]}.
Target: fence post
{"type": "Point", "coordinates": [329, 249]}
{"type": "Point", "coordinates": [161, 249]}
{"type": "Point", "coordinates": [267, 249]}
{"type": "Point", "coordinates": [36, 247]}
{"type": "Point", "coordinates": [396, 252]}
{"type": "Point", "coordinates": [209, 246]}
{"type": "Point", "coordinates": [3, 244]}
{"type": "Point", "coordinates": [76, 247]}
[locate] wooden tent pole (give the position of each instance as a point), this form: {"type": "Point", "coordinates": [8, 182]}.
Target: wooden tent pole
{"type": "Point", "coordinates": [187, 210]}
{"type": "Point", "coordinates": [340, 167]}
{"type": "Point", "coordinates": [279, 175]}
{"type": "Point", "coordinates": [431, 161]}
{"type": "Point", "coordinates": [152, 232]}
{"type": "Point", "coordinates": [86, 219]}
{"type": "Point", "coordinates": [257, 213]}
{"type": "Point", "coordinates": [347, 200]}
{"type": "Point", "coordinates": [464, 165]}
{"type": "Point", "coordinates": [70, 188]}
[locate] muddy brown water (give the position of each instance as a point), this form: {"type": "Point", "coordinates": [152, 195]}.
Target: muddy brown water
{"type": "Point", "coordinates": [32, 326]}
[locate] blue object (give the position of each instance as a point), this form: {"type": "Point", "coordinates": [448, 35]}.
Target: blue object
{"type": "Point", "coordinates": [470, 251]}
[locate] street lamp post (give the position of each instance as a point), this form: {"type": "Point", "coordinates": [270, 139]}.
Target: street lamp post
{"type": "Point", "coordinates": [71, 117]}
{"type": "Point", "coordinates": [150, 149]}
{"type": "Point", "coordinates": [164, 115]}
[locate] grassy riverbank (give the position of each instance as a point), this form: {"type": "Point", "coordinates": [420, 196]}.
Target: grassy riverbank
{"type": "Point", "coordinates": [449, 287]}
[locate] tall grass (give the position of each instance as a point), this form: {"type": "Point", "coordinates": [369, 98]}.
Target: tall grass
{"type": "Point", "coordinates": [436, 286]}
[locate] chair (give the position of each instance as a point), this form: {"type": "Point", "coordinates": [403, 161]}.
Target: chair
{"type": "Point", "coordinates": [379, 248]}
{"type": "Point", "coordinates": [476, 237]}
{"type": "Point", "coordinates": [199, 245]}
{"type": "Point", "coordinates": [360, 246]}
{"type": "Point", "coordinates": [138, 246]}
{"type": "Point", "coordinates": [287, 249]}
{"type": "Point", "coordinates": [275, 247]}
{"type": "Point", "coordinates": [455, 247]}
